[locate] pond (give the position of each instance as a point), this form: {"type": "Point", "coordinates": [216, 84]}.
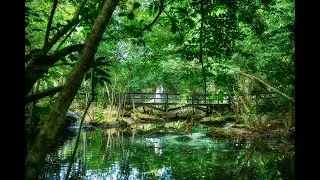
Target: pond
{"type": "Point", "coordinates": [172, 154]}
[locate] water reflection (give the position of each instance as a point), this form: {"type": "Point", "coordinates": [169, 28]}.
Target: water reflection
{"type": "Point", "coordinates": [110, 154]}
{"type": "Point", "coordinates": [157, 144]}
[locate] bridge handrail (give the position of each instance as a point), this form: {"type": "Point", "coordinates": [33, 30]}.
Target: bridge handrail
{"type": "Point", "coordinates": [194, 98]}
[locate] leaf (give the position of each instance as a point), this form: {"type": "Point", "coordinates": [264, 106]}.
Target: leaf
{"type": "Point", "coordinates": [191, 23]}
{"type": "Point", "coordinates": [101, 63]}
{"type": "Point", "coordinates": [35, 15]}
{"type": "Point", "coordinates": [100, 58]}
{"type": "Point", "coordinates": [53, 28]}
{"type": "Point", "coordinates": [153, 8]}
{"type": "Point", "coordinates": [59, 25]}
{"type": "Point", "coordinates": [28, 9]}
{"type": "Point", "coordinates": [73, 57]}
{"type": "Point", "coordinates": [209, 75]}
{"type": "Point", "coordinates": [193, 15]}
{"type": "Point", "coordinates": [174, 28]}
{"type": "Point", "coordinates": [101, 82]}
{"type": "Point", "coordinates": [87, 76]}
{"type": "Point", "coordinates": [35, 51]}
{"type": "Point", "coordinates": [122, 14]}
{"type": "Point", "coordinates": [38, 20]}
{"type": "Point", "coordinates": [130, 15]}
{"type": "Point", "coordinates": [107, 80]}
{"type": "Point", "coordinates": [63, 59]}
{"type": "Point", "coordinates": [101, 72]}
{"type": "Point", "coordinates": [136, 5]}
{"type": "Point", "coordinates": [37, 29]}
{"type": "Point", "coordinates": [182, 10]}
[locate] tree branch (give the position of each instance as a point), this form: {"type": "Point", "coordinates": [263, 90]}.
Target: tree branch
{"type": "Point", "coordinates": [40, 65]}
{"type": "Point", "coordinates": [67, 50]}
{"type": "Point", "coordinates": [54, 6]}
{"type": "Point", "coordinates": [40, 95]}
{"type": "Point", "coordinates": [64, 64]}
{"type": "Point", "coordinates": [48, 61]}
{"type": "Point", "coordinates": [274, 89]}
{"type": "Point", "coordinates": [67, 36]}
{"type": "Point", "coordinates": [155, 19]}
{"type": "Point", "coordinates": [65, 29]}
{"type": "Point", "coordinates": [64, 10]}
{"type": "Point", "coordinates": [172, 20]}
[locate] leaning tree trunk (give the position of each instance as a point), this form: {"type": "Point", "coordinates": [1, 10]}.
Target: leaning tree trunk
{"type": "Point", "coordinates": [37, 153]}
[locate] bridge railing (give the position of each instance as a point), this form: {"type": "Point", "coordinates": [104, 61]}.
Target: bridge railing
{"type": "Point", "coordinates": [172, 98]}
{"type": "Point", "coordinates": [175, 98]}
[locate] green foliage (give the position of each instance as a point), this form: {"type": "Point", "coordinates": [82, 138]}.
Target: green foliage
{"type": "Point", "coordinates": [255, 37]}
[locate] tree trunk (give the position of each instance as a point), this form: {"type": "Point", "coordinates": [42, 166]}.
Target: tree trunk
{"type": "Point", "coordinates": [108, 93]}
{"type": "Point", "coordinates": [36, 156]}
{"type": "Point", "coordinates": [201, 54]}
{"type": "Point", "coordinates": [34, 103]}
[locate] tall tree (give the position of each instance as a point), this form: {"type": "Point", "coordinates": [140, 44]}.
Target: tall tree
{"type": "Point", "coordinates": [38, 151]}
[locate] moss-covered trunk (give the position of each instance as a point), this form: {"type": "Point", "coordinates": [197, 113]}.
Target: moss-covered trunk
{"type": "Point", "coordinates": [36, 154]}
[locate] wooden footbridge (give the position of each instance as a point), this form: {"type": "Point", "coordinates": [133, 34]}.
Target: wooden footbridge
{"type": "Point", "coordinates": [167, 102]}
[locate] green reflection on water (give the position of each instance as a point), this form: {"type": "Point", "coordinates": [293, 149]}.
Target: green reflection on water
{"type": "Point", "coordinates": [115, 154]}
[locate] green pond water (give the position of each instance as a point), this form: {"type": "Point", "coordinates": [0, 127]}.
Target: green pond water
{"type": "Point", "coordinates": [113, 154]}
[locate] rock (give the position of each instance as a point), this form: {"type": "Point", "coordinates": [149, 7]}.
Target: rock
{"type": "Point", "coordinates": [71, 117]}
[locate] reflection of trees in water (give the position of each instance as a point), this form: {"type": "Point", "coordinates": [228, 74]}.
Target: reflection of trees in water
{"type": "Point", "coordinates": [109, 154]}
{"type": "Point", "coordinates": [57, 163]}
{"type": "Point", "coordinates": [265, 164]}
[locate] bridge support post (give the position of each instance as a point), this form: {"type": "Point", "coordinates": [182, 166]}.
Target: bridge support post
{"type": "Point", "coordinates": [166, 105]}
